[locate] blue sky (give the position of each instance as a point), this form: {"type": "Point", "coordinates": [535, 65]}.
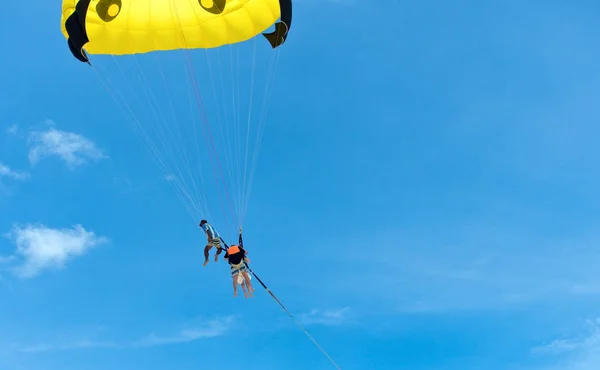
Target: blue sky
{"type": "Point", "coordinates": [425, 198]}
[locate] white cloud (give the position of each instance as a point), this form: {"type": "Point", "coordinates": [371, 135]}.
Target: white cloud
{"type": "Point", "coordinates": [40, 248]}
{"type": "Point", "coordinates": [73, 148]}
{"type": "Point", "coordinates": [326, 317]}
{"type": "Point", "coordinates": [5, 171]}
{"type": "Point", "coordinates": [200, 330]}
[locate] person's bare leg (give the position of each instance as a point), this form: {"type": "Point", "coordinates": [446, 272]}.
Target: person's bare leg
{"type": "Point", "coordinates": [206, 249]}
{"type": "Point", "coordinates": [234, 286]}
{"type": "Point", "coordinates": [244, 289]}
{"type": "Point", "coordinates": [248, 284]}
{"type": "Point", "coordinates": [219, 250]}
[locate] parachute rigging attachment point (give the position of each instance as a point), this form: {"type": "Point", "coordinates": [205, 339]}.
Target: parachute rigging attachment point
{"type": "Point", "coordinates": [75, 27]}
{"type": "Point", "coordinates": [240, 242]}
{"type": "Point", "coordinates": [278, 37]}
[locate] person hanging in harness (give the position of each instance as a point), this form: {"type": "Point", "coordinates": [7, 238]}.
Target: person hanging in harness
{"type": "Point", "coordinates": [213, 240]}
{"type": "Point", "coordinates": [236, 256]}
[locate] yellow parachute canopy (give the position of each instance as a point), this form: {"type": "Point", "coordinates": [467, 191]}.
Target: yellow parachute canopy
{"type": "Point", "coordinates": [121, 27]}
{"type": "Point", "coordinates": [165, 105]}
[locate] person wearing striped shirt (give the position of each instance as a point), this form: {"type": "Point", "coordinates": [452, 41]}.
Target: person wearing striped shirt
{"type": "Point", "coordinates": [213, 240]}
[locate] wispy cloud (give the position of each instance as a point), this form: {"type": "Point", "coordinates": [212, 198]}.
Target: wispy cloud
{"type": "Point", "coordinates": [484, 268]}
{"type": "Point", "coordinates": [5, 171]}
{"type": "Point", "coordinates": [122, 181]}
{"type": "Point", "coordinates": [84, 344]}
{"type": "Point", "coordinates": [558, 346]}
{"type": "Point", "coordinates": [124, 185]}
{"type": "Point", "coordinates": [193, 332]}
{"type": "Point", "coordinates": [72, 148]}
{"type": "Point", "coordinates": [6, 259]}
{"type": "Point", "coordinates": [326, 317]}
{"type": "Point", "coordinates": [13, 129]}
{"type": "Point", "coordinates": [41, 248]}
{"type": "Point", "coordinates": [209, 329]}
{"type": "Point", "coordinates": [579, 353]}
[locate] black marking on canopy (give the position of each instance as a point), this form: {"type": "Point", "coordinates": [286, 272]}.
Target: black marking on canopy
{"type": "Point", "coordinates": [217, 8]}
{"type": "Point", "coordinates": [103, 7]}
{"type": "Point", "coordinates": [278, 37]}
{"type": "Point", "coordinates": [75, 26]}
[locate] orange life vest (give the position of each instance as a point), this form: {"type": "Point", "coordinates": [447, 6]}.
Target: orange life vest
{"type": "Point", "coordinates": [233, 249]}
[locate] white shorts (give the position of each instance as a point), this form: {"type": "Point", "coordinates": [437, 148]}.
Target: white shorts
{"type": "Point", "coordinates": [216, 242]}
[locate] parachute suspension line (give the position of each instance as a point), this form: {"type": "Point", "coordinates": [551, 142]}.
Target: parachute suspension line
{"type": "Point", "coordinates": [197, 145]}
{"type": "Point", "coordinates": [202, 115]}
{"type": "Point", "coordinates": [219, 120]}
{"type": "Point", "coordinates": [238, 151]}
{"type": "Point", "coordinates": [193, 197]}
{"type": "Point", "coordinates": [238, 125]}
{"type": "Point", "coordinates": [227, 128]}
{"type": "Point", "coordinates": [226, 144]}
{"type": "Point", "coordinates": [178, 154]}
{"type": "Point", "coordinates": [292, 316]}
{"type": "Point", "coordinates": [178, 181]}
{"type": "Point", "coordinates": [235, 141]}
{"type": "Point", "coordinates": [133, 120]}
{"type": "Point", "coordinates": [173, 176]}
{"type": "Point", "coordinates": [240, 139]}
{"type": "Point", "coordinates": [274, 63]}
{"type": "Point", "coordinates": [236, 133]}
{"type": "Point", "coordinates": [236, 181]}
{"type": "Point", "coordinates": [243, 190]}
{"type": "Point", "coordinates": [151, 100]}
{"type": "Point", "coordinates": [181, 143]}
{"type": "Point", "coordinates": [157, 128]}
{"type": "Point", "coordinates": [200, 106]}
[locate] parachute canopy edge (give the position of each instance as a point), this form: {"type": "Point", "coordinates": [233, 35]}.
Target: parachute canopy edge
{"type": "Point", "coordinates": [96, 27]}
